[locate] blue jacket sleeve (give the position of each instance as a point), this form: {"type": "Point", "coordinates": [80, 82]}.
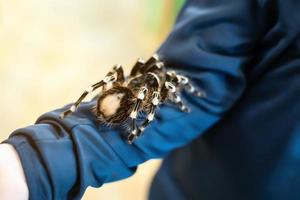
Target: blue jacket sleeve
{"type": "Point", "coordinates": [212, 42]}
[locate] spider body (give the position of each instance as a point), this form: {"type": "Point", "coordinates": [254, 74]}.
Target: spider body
{"type": "Point", "coordinates": [148, 85]}
{"type": "Point", "coordinates": [111, 103]}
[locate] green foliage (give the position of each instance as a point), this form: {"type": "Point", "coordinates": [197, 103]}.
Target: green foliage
{"type": "Point", "coordinates": [178, 5]}
{"type": "Point", "coordinates": [155, 14]}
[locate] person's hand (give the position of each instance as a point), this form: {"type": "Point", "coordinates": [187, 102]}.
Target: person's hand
{"type": "Point", "coordinates": [12, 178]}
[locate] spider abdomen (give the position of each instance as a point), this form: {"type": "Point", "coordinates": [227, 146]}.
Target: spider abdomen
{"type": "Point", "coordinates": [114, 105]}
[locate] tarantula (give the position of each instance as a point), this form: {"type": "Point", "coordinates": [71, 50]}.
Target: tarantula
{"type": "Point", "coordinates": [148, 85]}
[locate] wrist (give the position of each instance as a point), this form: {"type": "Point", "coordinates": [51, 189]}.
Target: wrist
{"type": "Point", "coordinates": [12, 179]}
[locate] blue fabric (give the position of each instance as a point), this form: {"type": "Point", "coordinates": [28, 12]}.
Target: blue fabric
{"type": "Point", "coordinates": [253, 152]}
{"type": "Point", "coordinates": [241, 142]}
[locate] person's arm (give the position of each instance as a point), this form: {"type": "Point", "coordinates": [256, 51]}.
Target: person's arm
{"type": "Point", "coordinates": [212, 42]}
{"type": "Point", "coordinates": [12, 179]}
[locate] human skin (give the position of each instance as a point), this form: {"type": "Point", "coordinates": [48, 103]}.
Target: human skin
{"type": "Point", "coordinates": [12, 179]}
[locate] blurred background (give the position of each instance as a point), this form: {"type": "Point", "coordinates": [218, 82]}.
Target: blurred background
{"type": "Point", "coordinates": [51, 50]}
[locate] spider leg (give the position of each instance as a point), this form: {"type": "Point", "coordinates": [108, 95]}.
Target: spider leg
{"type": "Point", "coordinates": [151, 113]}
{"type": "Point", "coordinates": [141, 66]}
{"type": "Point", "coordinates": [79, 100]}
{"type": "Point", "coordinates": [183, 80]}
{"type": "Point", "coordinates": [156, 68]}
{"type": "Point", "coordinates": [175, 98]}
{"type": "Point", "coordinates": [116, 75]}
{"type": "Point", "coordinates": [134, 113]}
{"type": "Point", "coordinates": [149, 63]}
{"type": "Point", "coordinates": [169, 89]}
{"type": "Point", "coordinates": [137, 67]}
{"type": "Point", "coordinates": [118, 69]}
{"type": "Point", "coordinates": [152, 81]}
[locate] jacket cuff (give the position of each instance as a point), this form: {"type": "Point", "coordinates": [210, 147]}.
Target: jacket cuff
{"type": "Point", "coordinates": [61, 165]}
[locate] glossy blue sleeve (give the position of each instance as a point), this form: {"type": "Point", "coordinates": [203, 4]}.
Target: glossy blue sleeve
{"type": "Point", "coordinates": [212, 42]}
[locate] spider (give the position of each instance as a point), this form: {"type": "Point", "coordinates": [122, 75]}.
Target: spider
{"type": "Point", "coordinates": [148, 85]}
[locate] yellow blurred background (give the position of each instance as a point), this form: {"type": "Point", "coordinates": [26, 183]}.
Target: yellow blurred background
{"type": "Point", "coordinates": [51, 50]}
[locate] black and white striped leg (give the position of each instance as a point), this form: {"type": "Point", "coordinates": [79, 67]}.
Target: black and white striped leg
{"type": "Point", "coordinates": [116, 75]}
{"type": "Point", "coordinates": [120, 73]}
{"type": "Point", "coordinates": [137, 68]}
{"type": "Point", "coordinates": [189, 87]}
{"type": "Point", "coordinates": [178, 102]}
{"type": "Point", "coordinates": [149, 63]}
{"type": "Point", "coordinates": [80, 99]}
{"type": "Point", "coordinates": [134, 113]}
{"type": "Point", "coordinates": [142, 66]}
{"type": "Point", "coordinates": [159, 66]}
{"type": "Point", "coordinates": [175, 98]}
{"type": "Point", "coordinates": [151, 113]}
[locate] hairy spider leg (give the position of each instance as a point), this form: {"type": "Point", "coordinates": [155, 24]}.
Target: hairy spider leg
{"type": "Point", "coordinates": [150, 116]}
{"type": "Point", "coordinates": [137, 67]}
{"type": "Point", "coordinates": [153, 82]}
{"type": "Point", "coordinates": [183, 80]}
{"type": "Point", "coordinates": [141, 66]}
{"type": "Point", "coordinates": [120, 73]}
{"type": "Point", "coordinates": [170, 85]}
{"type": "Point", "coordinates": [133, 115]}
{"type": "Point", "coordinates": [157, 67]}
{"type": "Point", "coordinates": [176, 99]}
{"type": "Point", "coordinates": [84, 94]}
{"type": "Point", "coordinates": [149, 63]}
{"type": "Point", "coordinates": [112, 76]}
